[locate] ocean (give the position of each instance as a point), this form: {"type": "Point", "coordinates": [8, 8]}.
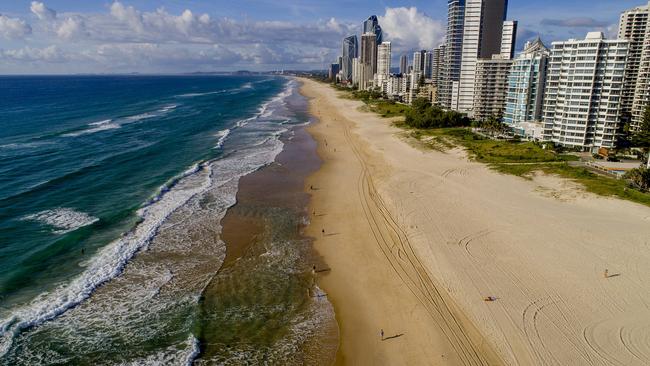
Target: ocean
{"type": "Point", "coordinates": [113, 193]}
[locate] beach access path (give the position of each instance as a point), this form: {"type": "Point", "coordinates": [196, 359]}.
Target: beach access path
{"type": "Point", "coordinates": [415, 240]}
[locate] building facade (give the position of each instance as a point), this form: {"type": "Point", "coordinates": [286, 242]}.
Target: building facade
{"type": "Point", "coordinates": [437, 64]}
{"type": "Point", "coordinates": [634, 26]}
{"type": "Point", "coordinates": [383, 59]}
{"type": "Point", "coordinates": [404, 64]}
{"type": "Point", "coordinates": [491, 83]}
{"type": "Point", "coordinates": [418, 61]}
{"type": "Point", "coordinates": [482, 34]}
{"type": "Point", "coordinates": [526, 84]}
{"type": "Point", "coordinates": [450, 70]}
{"type": "Point", "coordinates": [508, 38]}
{"type": "Point", "coordinates": [584, 87]}
{"type": "Point", "coordinates": [428, 64]}
{"type": "Point", "coordinates": [350, 49]}
{"type": "Point", "coordinates": [367, 60]}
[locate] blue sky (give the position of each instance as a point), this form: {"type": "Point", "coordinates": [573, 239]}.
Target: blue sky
{"type": "Point", "coordinates": [63, 36]}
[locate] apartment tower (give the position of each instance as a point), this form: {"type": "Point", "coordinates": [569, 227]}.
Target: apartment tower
{"type": "Point", "coordinates": [450, 70]}
{"type": "Point", "coordinates": [526, 84]}
{"type": "Point", "coordinates": [404, 64]}
{"type": "Point", "coordinates": [584, 87]}
{"type": "Point", "coordinates": [634, 26]}
{"type": "Point", "coordinates": [482, 35]}
{"type": "Point", "coordinates": [368, 60]}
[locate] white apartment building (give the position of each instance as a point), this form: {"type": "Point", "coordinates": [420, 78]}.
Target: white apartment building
{"type": "Point", "coordinates": [482, 35]}
{"type": "Point", "coordinates": [508, 37]}
{"type": "Point", "coordinates": [582, 102]}
{"type": "Point", "coordinates": [634, 26]}
{"type": "Point", "coordinates": [383, 59]}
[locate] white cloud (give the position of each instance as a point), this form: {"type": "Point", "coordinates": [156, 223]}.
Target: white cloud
{"type": "Point", "coordinates": [13, 28]}
{"type": "Point", "coordinates": [29, 54]}
{"type": "Point", "coordinates": [71, 28]}
{"type": "Point", "coordinates": [128, 15]}
{"type": "Point", "coordinates": [410, 29]}
{"type": "Point", "coordinates": [42, 11]}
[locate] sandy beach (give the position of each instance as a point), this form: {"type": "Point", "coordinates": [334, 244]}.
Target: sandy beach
{"type": "Point", "coordinates": [415, 239]}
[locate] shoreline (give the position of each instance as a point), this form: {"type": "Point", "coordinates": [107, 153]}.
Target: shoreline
{"type": "Point", "coordinates": [417, 239]}
{"type": "Point", "coordinates": [370, 290]}
{"type": "Point", "coordinates": [272, 193]}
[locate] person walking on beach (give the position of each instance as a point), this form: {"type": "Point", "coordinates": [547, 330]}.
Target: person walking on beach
{"type": "Point", "coordinates": [606, 273]}
{"type": "Point", "coordinates": [382, 334]}
{"type": "Point", "coordinates": [323, 231]}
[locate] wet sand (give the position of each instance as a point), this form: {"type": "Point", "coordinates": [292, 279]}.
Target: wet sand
{"type": "Point", "coordinates": [273, 193]}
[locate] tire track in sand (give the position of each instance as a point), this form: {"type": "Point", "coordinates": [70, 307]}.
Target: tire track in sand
{"type": "Point", "coordinates": [466, 341]}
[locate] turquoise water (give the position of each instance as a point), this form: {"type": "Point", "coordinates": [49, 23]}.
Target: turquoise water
{"type": "Point", "coordinates": [111, 194]}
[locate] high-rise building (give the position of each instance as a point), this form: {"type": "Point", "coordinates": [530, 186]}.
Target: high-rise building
{"type": "Point", "coordinates": [482, 36]}
{"type": "Point", "coordinates": [350, 49]}
{"type": "Point", "coordinates": [437, 63]}
{"type": "Point", "coordinates": [450, 70]}
{"type": "Point", "coordinates": [418, 61]}
{"type": "Point", "coordinates": [490, 87]}
{"type": "Point", "coordinates": [333, 71]}
{"type": "Point", "coordinates": [526, 84]}
{"type": "Point", "coordinates": [428, 64]}
{"type": "Point", "coordinates": [368, 59]}
{"type": "Point", "coordinates": [508, 38]}
{"type": "Point", "coordinates": [356, 72]}
{"type": "Point", "coordinates": [404, 64]}
{"type": "Point", "coordinates": [383, 59]}
{"type": "Point", "coordinates": [371, 25]}
{"type": "Point", "coordinates": [634, 26]}
{"type": "Point", "coordinates": [584, 86]}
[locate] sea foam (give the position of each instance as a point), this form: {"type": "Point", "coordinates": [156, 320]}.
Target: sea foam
{"type": "Point", "coordinates": [109, 262]}
{"type": "Point", "coordinates": [63, 220]}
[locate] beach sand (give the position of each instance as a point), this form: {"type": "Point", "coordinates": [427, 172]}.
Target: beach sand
{"type": "Point", "coordinates": [416, 239]}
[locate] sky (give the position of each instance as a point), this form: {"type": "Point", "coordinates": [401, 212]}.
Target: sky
{"type": "Point", "coordinates": [173, 36]}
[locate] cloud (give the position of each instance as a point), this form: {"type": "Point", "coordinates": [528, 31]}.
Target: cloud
{"type": "Point", "coordinates": [129, 15]}
{"type": "Point", "coordinates": [578, 22]}
{"type": "Point", "coordinates": [29, 54]}
{"type": "Point", "coordinates": [72, 28]}
{"type": "Point", "coordinates": [125, 39]}
{"type": "Point", "coordinates": [42, 11]}
{"type": "Point", "coordinates": [13, 28]}
{"type": "Point", "coordinates": [410, 29]}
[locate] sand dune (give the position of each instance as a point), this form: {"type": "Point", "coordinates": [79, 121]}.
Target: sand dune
{"type": "Point", "coordinates": [417, 238]}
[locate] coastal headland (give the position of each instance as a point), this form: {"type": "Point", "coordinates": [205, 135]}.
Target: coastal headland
{"type": "Point", "coordinates": [416, 240]}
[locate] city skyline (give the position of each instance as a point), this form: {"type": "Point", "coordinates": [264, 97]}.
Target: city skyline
{"type": "Point", "coordinates": [172, 37]}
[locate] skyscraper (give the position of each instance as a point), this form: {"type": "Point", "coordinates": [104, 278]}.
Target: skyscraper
{"type": "Point", "coordinates": [634, 26]}
{"type": "Point", "coordinates": [368, 59]}
{"type": "Point", "coordinates": [526, 84]}
{"type": "Point", "coordinates": [371, 25]}
{"type": "Point", "coordinates": [428, 64]}
{"type": "Point", "coordinates": [404, 64]}
{"type": "Point", "coordinates": [437, 64]}
{"type": "Point", "coordinates": [509, 38]}
{"type": "Point", "coordinates": [450, 70]}
{"type": "Point", "coordinates": [383, 59]}
{"type": "Point", "coordinates": [350, 49]}
{"type": "Point", "coordinates": [482, 36]}
{"type": "Point", "coordinates": [582, 102]}
{"type": "Point", "coordinates": [418, 61]}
